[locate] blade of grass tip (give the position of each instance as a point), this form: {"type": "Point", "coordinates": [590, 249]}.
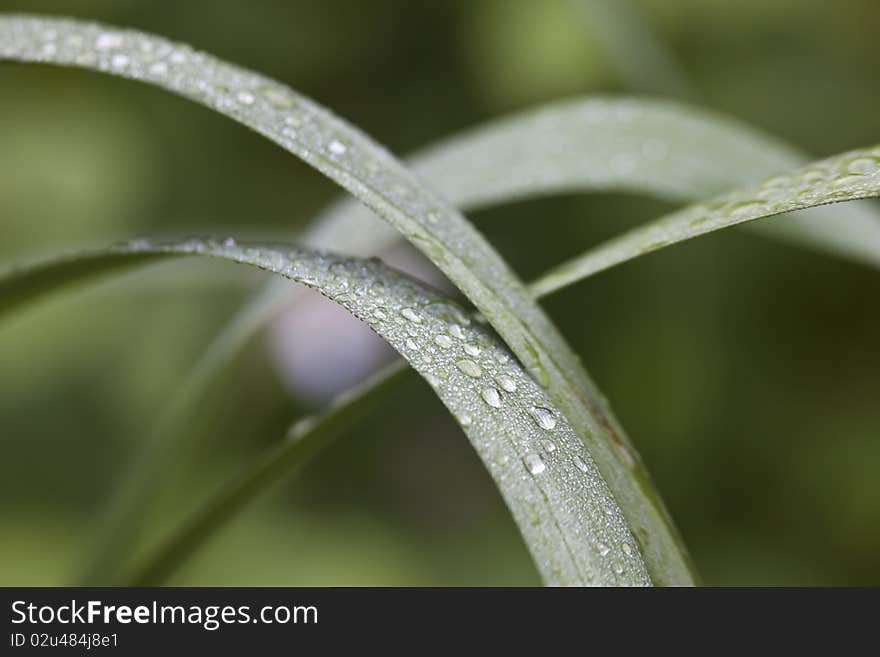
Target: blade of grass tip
{"type": "Point", "coordinates": [370, 173]}
{"type": "Point", "coordinates": [642, 61]}
{"type": "Point", "coordinates": [569, 519]}
{"type": "Point", "coordinates": [304, 440]}
{"type": "Point", "coordinates": [846, 177]}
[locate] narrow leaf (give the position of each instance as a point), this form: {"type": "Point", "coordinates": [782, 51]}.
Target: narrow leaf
{"type": "Point", "coordinates": [660, 148]}
{"type": "Point", "coordinates": [370, 173]}
{"type": "Point", "coordinates": [564, 509]}
{"type": "Point", "coordinates": [846, 177]}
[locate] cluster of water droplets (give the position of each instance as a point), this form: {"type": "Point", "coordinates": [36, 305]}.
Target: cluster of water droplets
{"type": "Point", "coordinates": [326, 142]}
{"type": "Point", "coordinates": [373, 175]}
{"type": "Point", "coordinates": [547, 477]}
{"type": "Point", "coordinates": [848, 176]}
{"type": "Point", "coordinates": [288, 118]}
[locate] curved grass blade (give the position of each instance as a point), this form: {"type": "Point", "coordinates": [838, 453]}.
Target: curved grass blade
{"type": "Point", "coordinates": [370, 173]}
{"type": "Point", "coordinates": [846, 177]}
{"type": "Point", "coordinates": [565, 511]}
{"type": "Point", "coordinates": [21, 285]}
{"type": "Point", "coordinates": [304, 440]}
{"type": "Point", "coordinates": [661, 148]}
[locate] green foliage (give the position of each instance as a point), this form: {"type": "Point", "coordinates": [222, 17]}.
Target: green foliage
{"type": "Point", "coordinates": [570, 477]}
{"type": "Point", "coordinates": [846, 177]}
{"type": "Point", "coordinates": [562, 505]}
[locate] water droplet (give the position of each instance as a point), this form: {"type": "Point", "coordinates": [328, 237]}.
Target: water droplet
{"type": "Point", "coordinates": [627, 549]}
{"type": "Point", "coordinates": [465, 420]}
{"type": "Point", "coordinates": [581, 464]}
{"type": "Point", "coordinates": [847, 180]}
{"type": "Point", "coordinates": [432, 380]}
{"type": "Point", "coordinates": [602, 549]}
{"type": "Point", "coordinates": [229, 242]}
{"type": "Point", "coordinates": [534, 463]}
{"type": "Point", "coordinates": [411, 315]}
{"type": "Point", "coordinates": [245, 98]}
{"type": "Point", "coordinates": [443, 341]}
{"type": "Point", "coordinates": [427, 359]}
{"type": "Point", "coordinates": [813, 177]}
{"type": "Point", "coordinates": [457, 332]}
{"type": "Point", "coordinates": [337, 147]}
{"type": "Point", "coordinates": [159, 69]}
{"type": "Point", "coordinates": [277, 97]}
{"type": "Point", "coordinates": [470, 368]}
{"type": "Point", "coordinates": [507, 384]}
{"type": "Point", "coordinates": [119, 61]}
{"type": "Point", "coordinates": [411, 344]}
{"type": "Point", "coordinates": [549, 446]}
{"type": "Point", "coordinates": [448, 312]}
{"type": "Point", "coordinates": [108, 40]}
{"type": "Point", "coordinates": [543, 417]}
{"type": "Point", "coordinates": [618, 568]}
{"type": "Point", "coordinates": [776, 181]}
{"type": "Point", "coordinates": [472, 350]}
{"type": "Point", "coordinates": [379, 314]}
{"type": "Point", "coordinates": [745, 208]}
{"type": "Point", "coordinates": [862, 166]}
{"type": "Point", "coordinates": [491, 397]}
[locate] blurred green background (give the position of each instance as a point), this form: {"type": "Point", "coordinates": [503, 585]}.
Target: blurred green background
{"type": "Point", "coordinates": [745, 371]}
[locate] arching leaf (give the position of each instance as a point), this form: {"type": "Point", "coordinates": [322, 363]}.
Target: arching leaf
{"type": "Point", "coordinates": [370, 173]}
{"type": "Point", "coordinates": [564, 509]}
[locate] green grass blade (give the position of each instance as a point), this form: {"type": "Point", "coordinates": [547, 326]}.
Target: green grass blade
{"type": "Point", "coordinates": [660, 148]}
{"type": "Point", "coordinates": [566, 513]}
{"type": "Point", "coordinates": [19, 286]}
{"type": "Point", "coordinates": [846, 177]}
{"type": "Point", "coordinates": [304, 440]}
{"type": "Point", "coordinates": [371, 174]}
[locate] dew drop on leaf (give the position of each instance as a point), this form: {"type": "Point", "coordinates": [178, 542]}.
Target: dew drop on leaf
{"type": "Point", "coordinates": [108, 40]}
{"type": "Point", "coordinates": [470, 368]}
{"type": "Point", "coordinates": [490, 396]}
{"type": "Point", "coordinates": [472, 350]}
{"type": "Point", "coordinates": [507, 384]}
{"type": "Point", "coordinates": [535, 463]}
{"type": "Point", "coordinates": [411, 315]}
{"type": "Point", "coordinates": [543, 417]}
